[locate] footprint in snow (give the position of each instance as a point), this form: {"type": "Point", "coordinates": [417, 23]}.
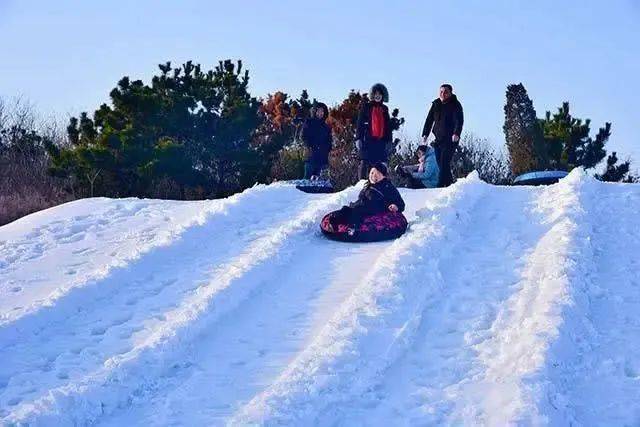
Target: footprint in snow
{"type": "Point", "coordinates": [131, 301]}
{"type": "Point", "coordinates": [73, 238]}
{"type": "Point", "coordinates": [123, 349]}
{"type": "Point", "coordinates": [296, 316]}
{"type": "Point", "coordinates": [155, 291]}
{"type": "Point", "coordinates": [120, 320]}
{"type": "Point", "coordinates": [630, 371]}
{"type": "Point", "coordinates": [14, 401]}
{"type": "Point", "coordinates": [83, 251]}
{"type": "Point", "coordinates": [98, 330]}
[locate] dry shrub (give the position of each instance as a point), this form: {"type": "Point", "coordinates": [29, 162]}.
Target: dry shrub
{"type": "Point", "coordinates": [289, 163]}
{"type": "Point", "coordinates": [25, 184]}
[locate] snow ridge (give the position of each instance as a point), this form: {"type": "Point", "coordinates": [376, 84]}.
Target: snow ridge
{"type": "Point", "coordinates": [530, 320]}
{"type": "Point", "coordinates": [592, 371]}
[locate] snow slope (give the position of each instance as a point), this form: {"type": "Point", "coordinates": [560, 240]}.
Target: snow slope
{"type": "Point", "coordinates": [500, 305]}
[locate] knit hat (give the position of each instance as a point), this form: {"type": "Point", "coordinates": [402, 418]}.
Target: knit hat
{"type": "Point", "coordinates": [381, 167]}
{"type": "Point", "coordinates": [379, 87]}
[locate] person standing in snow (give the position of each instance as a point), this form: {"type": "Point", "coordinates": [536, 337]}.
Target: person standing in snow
{"type": "Point", "coordinates": [445, 120]}
{"type": "Point", "coordinates": [373, 131]}
{"type": "Point", "coordinates": [378, 196]}
{"type": "Point", "coordinates": [423, 175]}
{"type": "Point", "coordinates": [316, 135]}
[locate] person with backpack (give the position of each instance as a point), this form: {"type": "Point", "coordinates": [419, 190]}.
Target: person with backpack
{"type": "Point", "coordinates": [378, 195]}
{"type": "Point", "coordinates": [445, 120]}
{"type": "Point", "coordinates": [373, 130]}
{"type": "Point", "coordinates": [316, 135]}
{"type": "Point", "coordinates": [423, 175]}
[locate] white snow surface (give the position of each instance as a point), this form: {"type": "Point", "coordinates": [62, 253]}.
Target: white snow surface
{"type": "Point", "coordinates": [499, 306]}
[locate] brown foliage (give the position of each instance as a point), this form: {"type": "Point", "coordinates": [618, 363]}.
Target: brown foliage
{"type": "Point", "coordinates": [343, 160]}
{"type": "Point", "coordinates": [280, 126]}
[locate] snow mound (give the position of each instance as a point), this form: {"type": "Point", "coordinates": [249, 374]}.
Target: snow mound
{"type": "Point", "coordinates": [500, 305]}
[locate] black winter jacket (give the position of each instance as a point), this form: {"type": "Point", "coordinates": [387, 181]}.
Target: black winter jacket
{"type": "Point", "coordinates": [376, 198]}
{"type": "Point", "coordinates": [444, 119]}
{"type": "Point", "coordinates": [316, 134]}
{"type": "Point", "coordinates": [373, 149]}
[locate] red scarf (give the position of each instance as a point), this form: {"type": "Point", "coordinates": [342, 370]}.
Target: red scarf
{"type": "Point", "coordinates": [377, 122]}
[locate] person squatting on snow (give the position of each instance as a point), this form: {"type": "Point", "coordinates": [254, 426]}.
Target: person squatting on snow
{"type": "Point", "coordinates": [378, 196]}
{"type": "Point", "coordinates": [423, 175]}
{"type": "Point", "coordinates": [316, 135]}
{"type": "Point", "coordinates": [445, 120]}
{"type": "Point", "coordinates": [373, 131]}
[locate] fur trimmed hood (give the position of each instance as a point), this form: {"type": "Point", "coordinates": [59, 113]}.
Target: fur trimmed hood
{"type": "Point", "coordinates": [379, 87]}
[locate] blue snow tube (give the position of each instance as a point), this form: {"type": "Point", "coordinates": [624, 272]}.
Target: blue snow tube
{"type": "Point", "coordinates": [315, 186]}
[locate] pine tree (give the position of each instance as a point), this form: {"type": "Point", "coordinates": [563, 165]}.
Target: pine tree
{"type": "Point", "coordinates": [190, 128]}
{"type": "Point", "coordinates": [523, 135]}
{"type": "Point", "coordinates": [569, 142]}
{"type": "Point", "coordinates": [615, 172]}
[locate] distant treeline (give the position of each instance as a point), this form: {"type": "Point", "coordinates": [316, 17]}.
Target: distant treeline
{"type": "Point", "coordinates": [192, 134]}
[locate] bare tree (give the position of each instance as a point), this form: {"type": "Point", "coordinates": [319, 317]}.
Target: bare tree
{"type": "Point", "coordinates": [25, 184]}
{"type": "Point", "coordinates": [480, 155]}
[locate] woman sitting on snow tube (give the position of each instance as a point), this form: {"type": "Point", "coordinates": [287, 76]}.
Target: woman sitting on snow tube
{"type": "Point", "coordinates": [376, 215]}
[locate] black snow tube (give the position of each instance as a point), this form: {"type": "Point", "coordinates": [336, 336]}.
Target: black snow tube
{"type": "Point", "coordinates": [375, 228]}
{"type": "Point", "coordinates": [314, 187]}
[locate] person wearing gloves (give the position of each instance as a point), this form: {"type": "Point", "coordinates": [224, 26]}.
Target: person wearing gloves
{"type": "Point", "coordinates": [373, 130]}
{"type": "Point", "coordinates": [445, 120]}
{"type": "Point", "coordinates": [423, 175]}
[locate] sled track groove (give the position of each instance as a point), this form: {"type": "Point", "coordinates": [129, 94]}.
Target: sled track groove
{"type": "Point", "coordinates": [374, 326]}
{"type": "Point", "coordinates": [427, 384]}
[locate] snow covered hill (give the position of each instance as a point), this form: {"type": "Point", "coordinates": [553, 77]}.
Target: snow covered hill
{"type": "Point", "coordinates": [501, 305]}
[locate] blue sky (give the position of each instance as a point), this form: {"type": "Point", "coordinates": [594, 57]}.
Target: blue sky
{"type": "Point", "coordinates": [65, 56]}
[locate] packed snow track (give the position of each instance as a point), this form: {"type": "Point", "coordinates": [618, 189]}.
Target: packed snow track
{"type": "Point", "coordinates": [499, 306]}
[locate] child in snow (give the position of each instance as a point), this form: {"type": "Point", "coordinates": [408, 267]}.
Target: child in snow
{"type": "Point", "coordinates": [316, 135]}
{"type": "Point", "coordinates": [378, 196]}
{"type": "Point", "coordinates": [373, 131]}
{"type": "Point", "coordinates": [423, 175]}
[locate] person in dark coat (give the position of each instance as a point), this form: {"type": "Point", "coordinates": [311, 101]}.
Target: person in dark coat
{"type": "Point", "coordinates": [316, 135]}
{"type": "Point", "coordinates": [373, 131]}
{"type": "Point", "coordinates": [378, 196]}
{"type": "Point", "coordinates": [445, 120]}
